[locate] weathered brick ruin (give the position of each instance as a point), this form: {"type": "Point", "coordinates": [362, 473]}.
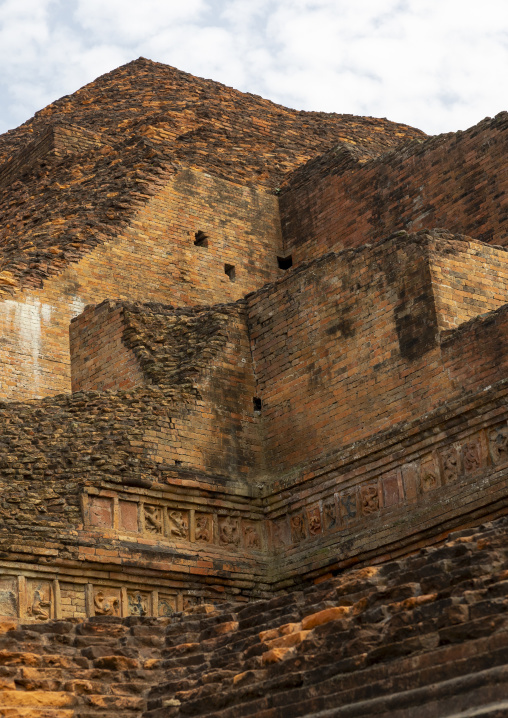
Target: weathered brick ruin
{"type": "Point", "coordinates": [254, 446]}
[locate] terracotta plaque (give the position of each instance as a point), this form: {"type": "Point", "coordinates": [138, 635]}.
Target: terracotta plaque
{"type": "Point", "coordinates": [391, 490]}
{"type": "Point", "coordinates": [128, 515]}
{"type": "Point", "coordinates": [8, 596]}
{"type": "Point", "coordinates": [101, 511]}
{"type": "Point", "coordinates": [167, 605]}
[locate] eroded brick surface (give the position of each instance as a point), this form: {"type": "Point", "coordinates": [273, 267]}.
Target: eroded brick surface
{"type": "Point", "coordinates": [427, 634]}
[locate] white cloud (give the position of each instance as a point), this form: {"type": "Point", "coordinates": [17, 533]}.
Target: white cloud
{"type": "Point", "coordinates": [438, 66]}
{"type": "Point", "coordinates": [131, 21]}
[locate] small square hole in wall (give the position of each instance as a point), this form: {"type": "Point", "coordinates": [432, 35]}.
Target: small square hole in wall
{"type": "Point", "coordinates": [285, 262]}
{"type": "Point", "coordinates": [200, 239]}
{"type": "Point", "coordinates": [257, 404]}
{"type": "Point", "coordinates": [229, 269]}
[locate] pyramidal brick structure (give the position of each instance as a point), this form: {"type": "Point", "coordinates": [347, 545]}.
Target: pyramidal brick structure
{"type": "Point", "coordinates": [254, 416]}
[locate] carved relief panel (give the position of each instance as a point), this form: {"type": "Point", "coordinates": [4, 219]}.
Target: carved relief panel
{"type": "Point", "coordinates": [450, 464]}
{"type": "Point", "coordinates": [472, 455]}
{"type": "Point", "coordinates": [190, 602]}
{"type": "Point", "coordinates": [330, 520]}
{"type": "Point", "coordinates": [251, 535]}
{"type": "Point", "coordinates": [498, 445]}
{"type": "Point", "coordinates": [153, 518]}
{"type": "Point", "coordinates": [8, 596]}
{"type": "Point", "coordinates": [348, 502]}
{"type": "Point", "coordinates": [369, 499]}
{"type": "Point", "coordinates": [107, 602]}
{"type": "Point", "coordinates": [429, 474]}
{"type": "Point", "coordinates": [166, 606]}
{"type": "Point", "coordinates": [138, 603]}
{"type": "Point", "coordinates": [298, 528]}
{"type": "Point", "coordinates": [203, 527]}
{"type": "Point", "coordinates": [314, 521]}
{"type": "Point", "coordinates": [178, 524]}
{"type": "Point", "coordinates": [229, 531]}
{"type": "Point", "coordinates": [39, 600]}
{"type": "Point", "coordinates": [280, 533]}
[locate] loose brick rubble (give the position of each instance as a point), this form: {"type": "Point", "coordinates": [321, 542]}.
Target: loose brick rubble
{"type": "Point", "coordinates": [148, 119]}
{"type": "Point", "coordinates": [426, 636]}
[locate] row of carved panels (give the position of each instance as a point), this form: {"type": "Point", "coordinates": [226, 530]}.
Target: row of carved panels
{"type": "Point", "coordinates": [123, 602]}
{"type": "Point", "coordinates": [342, 508]}
{"type": "Point", "coordinates": [149, 518]}
{"type": "Point", "coordinates": [441, 467]}
{"type": "Point", "coordinates": [39, 599]}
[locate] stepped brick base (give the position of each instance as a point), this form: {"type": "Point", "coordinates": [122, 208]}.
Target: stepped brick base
{"type": "Point", "coordinates": [426, 636]}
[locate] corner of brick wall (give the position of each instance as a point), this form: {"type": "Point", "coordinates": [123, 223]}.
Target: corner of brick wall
{"type": "Point", "coordinates": [100, 361]}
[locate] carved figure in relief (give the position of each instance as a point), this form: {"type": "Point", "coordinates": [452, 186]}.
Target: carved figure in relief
{"type": "Point", "coordinates": [41, 606]}
{"type": "Point", "coordinates": [349, 503]}
{"type": "Point", "coordinates": [178, 524]}
{"type": "Point", "coordinates": [450, 463]}
{"type": "Point", "coordinates": [314, 522]}
{"type": "Point", "coordinates": [106, 605]}
{"type": "Point", "coordinates": [166, 606]}
{"type": "Point", "coordinates": [329, 515]}
{"type": "Point", "coordinates": [251, 535]}
{"type": "Point", "coordinates": [471, 456]}
{"type": "Point", "coordinates": [279, 533]}
{"type": "Point", "coordinates": [138, 604]}
{"type": "Point", "coordinates": [298, 530]}
{"type": "Point", "coordinates": [370, 499]}
{"type": "Point", "coordinates": [203, 528]}
{"type": "Point", "coordinates": [153, 519]}
{"type": "Point", "coordinates": [498, 443]}
{"type": "Point", "coordinates": [189, 602]}
{"type": "Point", "coordinates": [228, 531]}
{"type": "Point", "coordinates": [429, 480]}
{"type": "Point", "coordinates": [429, 474]}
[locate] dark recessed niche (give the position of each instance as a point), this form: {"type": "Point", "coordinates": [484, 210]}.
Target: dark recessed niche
{"type": "Point", "coordinates": [229, 269]}
{"type": "Point", "coordinates": [285, 262]}
{"type": "Point", "coordinates": [200, 239]}
{"type": "Point", "coordinates": [257, 403]}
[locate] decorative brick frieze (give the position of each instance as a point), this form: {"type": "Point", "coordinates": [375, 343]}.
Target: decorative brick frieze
{"type": "Point", "coordinates": [223, 523]}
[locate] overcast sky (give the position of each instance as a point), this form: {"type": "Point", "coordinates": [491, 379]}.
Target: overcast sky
{"type": "Point", "coordinates": [439, 65]}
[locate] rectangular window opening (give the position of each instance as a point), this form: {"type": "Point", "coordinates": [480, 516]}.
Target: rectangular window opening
{"type": "Point", "coordinates": [257, 404]}
{"type": "Point", "coordinates": [200, 239]}
{"type": "Point", "coordinates": [285, 262]}
{"type": "Point", "coordinates": [229, 269]}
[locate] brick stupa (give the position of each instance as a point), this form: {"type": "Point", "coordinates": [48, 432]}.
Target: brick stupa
{"type": "Point", "coordinates": [253, 383]}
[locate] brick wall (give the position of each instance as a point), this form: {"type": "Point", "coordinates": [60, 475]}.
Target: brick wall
{"type": "Point", "coordinates": [160, 491]}
{"type": "Point", "coordinates": [201, 356]}
{"type": "Point", "coordinates": [475, 354]}
{"type": "Point", "coordinates": [457, 181]}
{"type": "Point", "coordinates": [110, 511]}
{"type": "Point", "coordinates": [58, 138]}
{"type": "Point", "coordinates": [344, 348]}
{"type": "Point", "coordinates": [468, 278]}
{"type": "Point", "coordinates": [99, 358]}
{"type": "Point", "coordinates": [349, 345]}
{"type": "Point", "coordinates": [155, 259]}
